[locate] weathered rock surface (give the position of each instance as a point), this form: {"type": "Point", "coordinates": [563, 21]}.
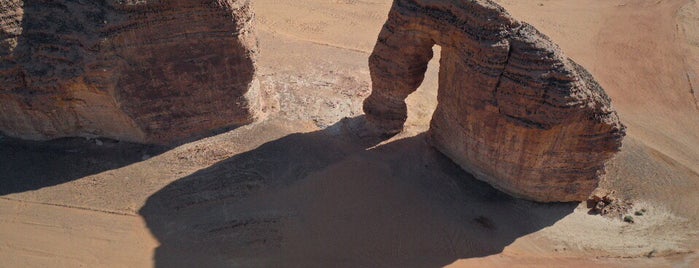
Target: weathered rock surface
{"type": "Point", "coordinates": [144, 71]}
{"type": "Point", "coordinates": [513, 110]}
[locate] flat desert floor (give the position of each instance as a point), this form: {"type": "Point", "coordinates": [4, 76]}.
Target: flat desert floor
{"type": "Point", "coordinates": [304, 188]}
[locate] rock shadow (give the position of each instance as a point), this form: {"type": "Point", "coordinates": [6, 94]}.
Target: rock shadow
{"type": "Point", "coordinates": [331, 199]}
{"type": "Point", "coordinates": [31, 165]}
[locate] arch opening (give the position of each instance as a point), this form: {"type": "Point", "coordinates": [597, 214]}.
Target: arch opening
{"type": "Point", "coordinates": [423, 102]}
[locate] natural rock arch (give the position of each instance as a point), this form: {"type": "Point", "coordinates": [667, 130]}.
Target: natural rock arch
{"type": "Point", "coordinates": [513, 110]}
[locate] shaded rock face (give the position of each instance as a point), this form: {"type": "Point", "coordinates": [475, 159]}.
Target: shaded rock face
{"type": "Point", "coordinates": [144, 71]}
{"type": "Point", "coordinates": [513, 110]}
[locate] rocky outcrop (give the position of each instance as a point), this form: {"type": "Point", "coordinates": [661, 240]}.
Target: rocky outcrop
{"type": "Point", "coordinates": [513, 110]}
{"type": "Point", "coordinates": [145, 71]}
{"type": "Point", "coordinates": [604, 202]}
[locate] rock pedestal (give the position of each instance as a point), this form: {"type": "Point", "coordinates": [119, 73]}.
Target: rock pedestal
{"type": "Point", "coordinates": [143, 71]}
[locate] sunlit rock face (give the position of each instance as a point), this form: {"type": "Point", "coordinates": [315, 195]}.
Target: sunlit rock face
{"type": "Point", "coordinates": [144, 71]}
{"type": "Point", "coordinates": [513, 109]}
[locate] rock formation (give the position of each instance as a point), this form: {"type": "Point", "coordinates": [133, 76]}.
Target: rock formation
{"type": "Point", "coordinates": [145, 71]}
{"type": "Point", "coordinates": [513, 110]}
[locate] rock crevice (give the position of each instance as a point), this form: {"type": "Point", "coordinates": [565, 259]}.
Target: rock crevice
{"type": "Point", "coordinates": [513, 109]}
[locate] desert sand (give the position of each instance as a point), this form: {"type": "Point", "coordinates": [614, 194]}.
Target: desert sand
{"type": "Point", "coordinates": [305, 188]}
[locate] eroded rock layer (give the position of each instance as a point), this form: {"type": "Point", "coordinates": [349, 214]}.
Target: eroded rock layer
{"type": "Point", "coordinates": [513, 110]}
{"type": "Point", "coordinates": [144, 71]}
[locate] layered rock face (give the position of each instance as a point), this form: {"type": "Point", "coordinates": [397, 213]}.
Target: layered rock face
{"type": "Point", "coordinates": [144, 71]}
{"type": "Point", "coordinates": [513, 110]}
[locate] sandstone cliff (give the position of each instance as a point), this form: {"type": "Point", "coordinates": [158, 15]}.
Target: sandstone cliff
{"type": "Point", "coordinates": [513, 110]}
{"type": "Point", "coordinates": [144, 71]}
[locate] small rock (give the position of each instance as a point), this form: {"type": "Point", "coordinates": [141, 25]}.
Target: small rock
{"type": "Point", "coordinates": [609, 199]}
{"type": "Point", "coordinates": [99, 142]}
{"type": "Point", "coordinates": [145, 157]}
{"type": "Point", "coordinates": [598, 195]}
{"type": "Point", "coordinates": [651, 253]}
{"type": "Point", "coordinates": [605, 211]}
{"type": "Point", "coordinates": [600, 205]}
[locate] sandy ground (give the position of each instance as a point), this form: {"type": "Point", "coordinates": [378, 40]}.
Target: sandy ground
{"type": "Point", "coordinates": [305, 188]}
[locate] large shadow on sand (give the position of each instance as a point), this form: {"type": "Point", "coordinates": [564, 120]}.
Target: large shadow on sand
{"type": "Point", "coordinates": [330, 199]}
{"type": "Point", "coordinates": [31, 165]}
